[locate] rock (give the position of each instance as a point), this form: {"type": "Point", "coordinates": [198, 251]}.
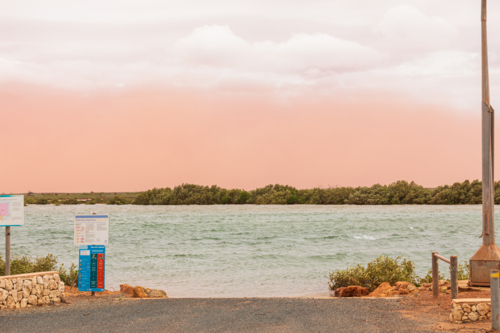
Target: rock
{"type": "Point", "coordinates": [33, 281]}
{"type": "Point", "coordinates": [156, 293]}
{"type": "Point", "coordinates": [38, 290]}
{"type": "Point", "coordinates": [380, 290]}
{"type": "Point", "coordinates": [2, 284]}
{"type": "Point", "coordinates": [466, 308]}
{"type": "Point", "coordinates": [351, 291]}
{"type": "Point", "coordinates": [18, 305]}
{"type": "Point", "coordinates": [24, 302]}
{"type": "Point", "coordinates": [46, 299]}
{"type": "Point", "coordinates": [464, 317]}
{"type": "Point", "coordinates": [488, 315]}
{"type": "Point", "coordinates": [56, 300]}
{"type": "Point", "coordinates": [63, 297]}
{"type": "Point", "coordinates": [53, 285]}
{"type": "Point", "coordinates": [26, 293]}
{"type": "Point", "coordinates": [473, 316]}
{"type": "Point", "coordinates": [456, 306]}
{"type": "Point", "coordinates": [426, 285]}
{"type": "Point", "coordinates": [54, 294]}
{"type": "Point", "coordinates": [411, 287]}
{"type": "Point", "coordinates": [482, 318]}
{"type": "Point", "coordinates": [46, 284]}
{"type": "Point", "coordinates": [33, 300]}
{"type": "Point", "coordinates": [10, 302]}
{"type": "Point", "coordinates": [46, 292]}
{"type": "Point", "coordinates": [127, 289]}
{"type": "Point", "coordinates": [40, 301]}
{"type": "Point", "coordinates": [139, 292]}
{"type": "Point", "coordinates": [456, 315]}
{"type": "Point", "coordinates": [482, 309]}
{"type": "Point", "coordinates": [8, 285]}
{"type": "Point", "coordinates": [19, 284]}
{"type": "Point", "coordinates": [3, 295]}
{"type": "Point", "coordinates": [61, 287]}
{"type": "Point", "coordinates": [13, 293]}
{"type": "Point", "coordinates": [473, 308]}
{"type": "Point", "coordinates": [57, 278]}
{"type": "Point", "coordinates": [39, 280]}
{"type": "Point", "coordinates": [443, 283]}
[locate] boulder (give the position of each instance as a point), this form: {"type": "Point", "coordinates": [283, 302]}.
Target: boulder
{"type": "Point", "coordinates": [456, 315]}
{"type": "Point", "coordinates": [482, 309]}
{"type": "Point", "coordinates": [2, 284]}
{"type": "Point", "coordinates": [53, 285]}
{"type": "Point", "coordinates": [32, 300]}
{"type": "Point", "coordinates": [466, 308]}
{"type": "Point", "coordinates": [8, 285]}
{"type": "Point", "coordinates": [352, 291]}
{"type": "Point", "coordinates": [10, 302]}
{"type": "Point", "coordinates": [127, 289]}
{"type": "Point", "coordinates": [139, 292]}
{"type": "Point", "coordinates": [57, 278]}
{"type": "Point", "coordinates": [156, 293]}
{"type": "Point", "coordinates": [473, 316]}
{"type": "Point", "coordinates": [39, 280]}
{"type": "Point", "coordinates": [24, 302]}
{"type": "Point", "coordinates": [3, 295]}
{"type": "Point", "coordinates": [380, 290]}
{"type": "Point", "coordinates": [411, 287]}
{"type": "Point", "coordinates": [13, 293]}
{"type": "Point", "coordinates": [46, 299]}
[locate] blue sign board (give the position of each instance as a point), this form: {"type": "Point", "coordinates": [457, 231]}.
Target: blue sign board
{"type": "Point", "coordinates": [91, 268]}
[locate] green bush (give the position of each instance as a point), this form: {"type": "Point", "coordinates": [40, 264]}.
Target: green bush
{"type": "Point", "coordinates": [26, 264]}
{"type": "Point", "coordinates": [118, 200]}
{"type": "Point", "coordinates": [463, 270]}
{"type": "Point", "coordinates": [428, 277]}
{"type": "Point", "coordinates": [383, 269]}
{"type": "Point", "coordinates": [42, 201]}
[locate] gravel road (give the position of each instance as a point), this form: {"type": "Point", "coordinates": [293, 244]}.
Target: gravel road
{"type": "Point", "coordinates": [214, 315]}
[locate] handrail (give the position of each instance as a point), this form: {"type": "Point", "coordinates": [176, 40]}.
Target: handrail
{"type": "Point", "coordinates": [453, 261]}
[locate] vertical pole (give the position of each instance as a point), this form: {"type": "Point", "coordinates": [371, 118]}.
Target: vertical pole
{"type": "Point", "coordinates": [488, 157]}
{"type": "Point", "coordinates": [7, 250]}
{"type": "Point", "coordinates": [454, 276]}
{"type": "Point", "coordinates": [435, 275]}
{"type": "Point", "coordinates": [495, 300]}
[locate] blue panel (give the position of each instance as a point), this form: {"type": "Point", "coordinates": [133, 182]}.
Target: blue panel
{"type": "Point", "coordinates": [85, 270]}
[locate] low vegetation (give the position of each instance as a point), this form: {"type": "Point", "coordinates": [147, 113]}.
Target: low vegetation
{"type": "Point", "coordinates": [26, 264]}
{"type": "Point", "coordinates": [385, 269]}
{"type": "Point", "coordinates": [398, 193]}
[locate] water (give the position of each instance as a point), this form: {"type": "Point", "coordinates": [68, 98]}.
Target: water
{"type": "Point", "coordinates": [243, 251]}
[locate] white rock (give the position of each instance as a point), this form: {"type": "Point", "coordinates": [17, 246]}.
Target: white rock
{"type": "Point", "coordinates": [456, 315]}
{"type": "Point", "coordinates": [39, 280]}
{"type": "Point", "coordinates": [3, 294]}
{"type": "Point", "coordinates": [46, 299]}
{"type": "Point", "coordinates": [46, 278]}
{"type": "Point", "coordinates": [483, 309]}
{"type": "Point", "coordinates": [53, 285]}
{"type": "Point", "coordinates": [13, 293]}
{"type": "Point", "coordinates": [54, 294]}
{"type": "Point", "coordinates": [46, 284]}
{"type": "Point", "coordinates": [61, 286]}
{"type": "Point", "coordinates": [8, 285]}
{"type": "Point", "coordinates": [473, 308]}
{"type": "Point", "coordinates": [56, 300]}
{"type": "Point", "coordinates": [33, 281]}
{"type": "Point", "coordinates": [32, 300]}
{"type": "Point", "coordinates": [57, 278]}
{"type": "Point", "coordinates": [46, 292]}
{"type": "Point", "coordinates": [40, 301]}
{"type": "Point", "coordinates": [466, 308]}
{"type": "Point", "coordinates": [39, 290]}
{"type": "Point", "coordinates": [24, 302]}
{"type": "Point", "coordinates": [10, 302]}
{"type": "Point", "coordinates": [2, 284]}
{"type": "Point", "coordinates": [19, 284]}
{"type": "Point", "coordinates": [473, 316]}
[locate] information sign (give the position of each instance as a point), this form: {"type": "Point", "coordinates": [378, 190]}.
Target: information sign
{"type": "Point", "coordinates": [91, 229]}
{"type": "Point", "coordinates": [91, 268]}
{"type": "Point", "coordinates": [11, 210]}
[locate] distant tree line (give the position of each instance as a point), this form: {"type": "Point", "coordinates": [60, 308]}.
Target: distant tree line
{"type": "Point", "coordinates": [400, 192]}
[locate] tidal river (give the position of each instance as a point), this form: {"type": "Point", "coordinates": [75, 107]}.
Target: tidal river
{"type": "Point", "coordinates": [244, 251]}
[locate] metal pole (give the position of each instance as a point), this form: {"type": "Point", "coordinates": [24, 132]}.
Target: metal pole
{"type": "Point", "coordinates": [495, 299]}
{"type": "Point", "coordinates": [487, 116]}
{"type": "Point", "coordinates": [454, 276]}
{"type": "Point", "coordinates": [7, 250]}
{"type": "Point", "coordinates": [435, 275]}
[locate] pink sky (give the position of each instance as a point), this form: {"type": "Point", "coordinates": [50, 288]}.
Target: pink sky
{"type": "Point", "coordinates": [101, 97]}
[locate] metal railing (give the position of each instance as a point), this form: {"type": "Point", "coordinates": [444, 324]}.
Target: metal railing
{"type": "Point", "coordinates": [453, 262]}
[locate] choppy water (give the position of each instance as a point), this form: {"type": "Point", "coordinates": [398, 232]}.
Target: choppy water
{"type": "Point", "coordinates": [238, 251]}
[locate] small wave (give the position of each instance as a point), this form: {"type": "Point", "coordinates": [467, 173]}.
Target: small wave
{"type": "Point", "coordinates": [365, 237]}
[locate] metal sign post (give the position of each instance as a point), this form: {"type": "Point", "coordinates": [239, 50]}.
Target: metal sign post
{"type": "Point", "coordinates": [488, 255]}
{"type": "Point", "coordinates": [11, 215]}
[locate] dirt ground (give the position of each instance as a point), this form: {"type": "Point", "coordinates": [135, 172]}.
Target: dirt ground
{"type": "Point", "coordinates": [436, 313]}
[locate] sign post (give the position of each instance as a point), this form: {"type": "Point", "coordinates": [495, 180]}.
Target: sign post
{"type": "Point", "coordinates": [11, 215]}
{"type": "Point", "coordinates": [91, 234]}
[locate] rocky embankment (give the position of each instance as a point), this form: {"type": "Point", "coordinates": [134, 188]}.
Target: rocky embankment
{"type": "Point", "coordinates": [142, 292]}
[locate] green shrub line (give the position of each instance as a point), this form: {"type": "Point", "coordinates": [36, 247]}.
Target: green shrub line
{"type": "Point", "coordinates": [397, 193]}
{"type": "Point", "coordinates": [386, 269]}
{"type": "Point", "coordinates": [27, 264]}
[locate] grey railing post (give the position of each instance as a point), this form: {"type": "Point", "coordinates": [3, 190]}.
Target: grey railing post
{"type": "Point", "coordinates": [454, 276]}
{"type": "Point", "coordinates": [495, 299]}
{"type": "Point", "coordinates": [435, 275]}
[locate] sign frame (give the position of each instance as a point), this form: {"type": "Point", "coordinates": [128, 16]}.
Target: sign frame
{"type": "Point", "coordinates": [91, 229]}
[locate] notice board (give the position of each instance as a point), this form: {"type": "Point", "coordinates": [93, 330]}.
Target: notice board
{"type": "Point", "coordinates": [91, 267]}
{"type": "Point", "coordinates": [11, 210]}
{"type": "Point", "coordinates": [91, 229]}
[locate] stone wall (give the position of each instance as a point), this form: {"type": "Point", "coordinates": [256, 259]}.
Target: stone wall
{"type": "Point", "coordinates": [27, 290]}
{"type": "Point", "coordinates": [468, 310]}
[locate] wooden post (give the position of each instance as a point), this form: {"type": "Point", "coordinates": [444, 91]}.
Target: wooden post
{"type": "Point", "coordinates": [454, 276]}
{"type": "Point", "coordinates": [435, 275]}
{"type": "Point", "coordinates": [7, 250]}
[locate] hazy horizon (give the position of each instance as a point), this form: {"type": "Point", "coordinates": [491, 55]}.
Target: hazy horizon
{"type": "Point", "coordinates": [112, 97]}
